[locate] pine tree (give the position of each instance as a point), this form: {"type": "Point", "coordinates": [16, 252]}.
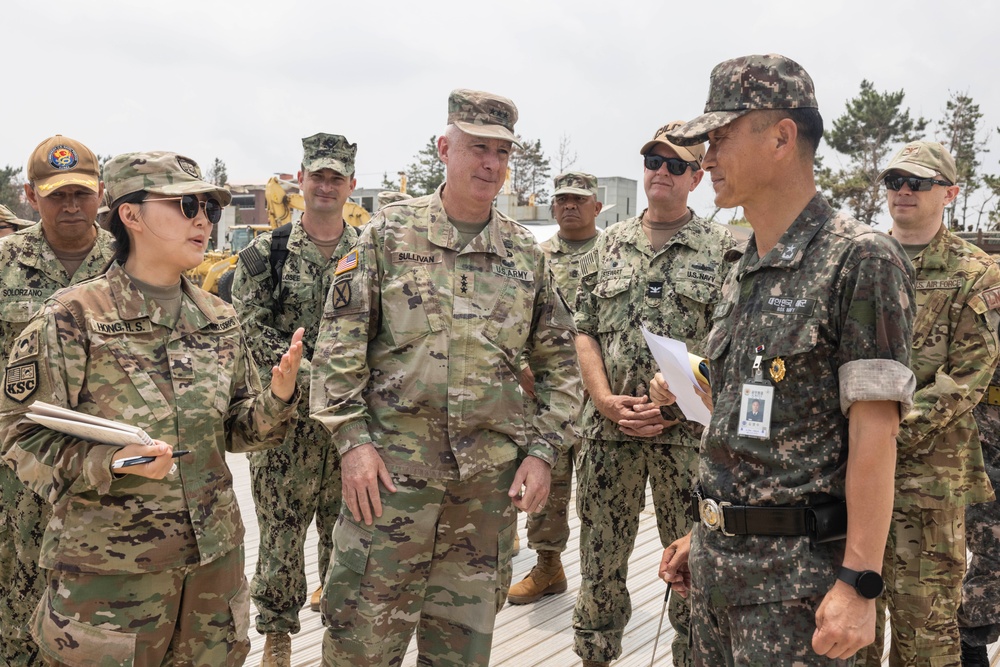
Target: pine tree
{"type": "Point", "coordinates": [426, 172]}
{"type": "Point", "coordinates": [963, 137]}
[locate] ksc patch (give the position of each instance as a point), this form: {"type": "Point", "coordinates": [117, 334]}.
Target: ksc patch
{"type": "Point", "coordinates": [21, 382]}
{"type": "Point", "coordinates": [341, 294]}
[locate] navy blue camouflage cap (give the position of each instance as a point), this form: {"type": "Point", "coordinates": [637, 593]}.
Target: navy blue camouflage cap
{"type": "Point", "coordinates": [329, 151]}
{"type": "Point", "coordinates": [745, 84]}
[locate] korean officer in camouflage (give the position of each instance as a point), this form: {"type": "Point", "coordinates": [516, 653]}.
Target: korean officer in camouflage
{"type": "Point", "coordinates": [416, 375]}
{"type": "Point", "coordinates": [575, 208]}
{"type": "Point", "coordinates": [144, 563]}
{"type": "Point", "coordinates": [939, 463]}
{"type": "Point", "coordinates": [280, 285]}
{"type": "Point", "coordinates": [662, 270]}
{"type": "Point", "coordinates": [815, 323]}
{"type": "Point", "coordinates": [67, 247]}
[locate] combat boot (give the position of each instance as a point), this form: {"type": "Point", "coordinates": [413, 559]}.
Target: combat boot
{"type": "Point", "coordinates": [277, 650]}
{"type": "Point", "coordinates": [316, 598]}
{"type": "Point", "coordinates": [595, 663]}
{"type": "Point", "coordinates": [546, 578]}
{"type": "Point", "coordinates": [974, 656]}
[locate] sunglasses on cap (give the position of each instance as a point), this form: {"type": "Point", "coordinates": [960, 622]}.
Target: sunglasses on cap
{"type": "Point", "coordinates": [895, 182]}
{"type": "Point", "coordinates": [190, 206]}
{"type": "Point", "coordinates": [675, 166]}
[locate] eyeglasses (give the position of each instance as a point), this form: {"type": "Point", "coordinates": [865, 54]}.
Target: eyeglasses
{"type": "Point", "coordinates": [675, 166]}
{"type": "Point", "coordinates": [916, 184]}
{"type": "Point", "coordinates": [190, 206]}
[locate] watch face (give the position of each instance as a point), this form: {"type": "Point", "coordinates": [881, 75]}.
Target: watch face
{"type": "Point", "coordinates": [870, 584]}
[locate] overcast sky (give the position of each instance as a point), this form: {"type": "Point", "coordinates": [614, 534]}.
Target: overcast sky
{"type": "Point", "coordinates": [246, 80]}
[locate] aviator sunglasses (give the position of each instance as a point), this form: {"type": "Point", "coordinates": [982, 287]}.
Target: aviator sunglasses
{"type": "Point", "coordinates": [916, 184]}
{"type": "Point", "coordinates": [675, 166]}
{"type": "Point", "coordinates": [190, 206]}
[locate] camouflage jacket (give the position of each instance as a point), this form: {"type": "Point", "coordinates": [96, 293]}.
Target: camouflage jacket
{"type": "Point", "coordinates": [939, 462]}
{"type": "Point", "coordinates": [987, 415]}
{"type": "Point", "coordinates": [564, 262]}
{"type": "Point", "coordinates": [833, 301]}
{"type": "Point", "coordinates": [102, 348]}
{"type": "Point", "coordinates": [30, 273]}
{"type": "Point", "coordinates": [671, 292]}
{"type": "Point", "coordinates": [270, 317]}
{"type": "Point", "coordinates": [420, 342]}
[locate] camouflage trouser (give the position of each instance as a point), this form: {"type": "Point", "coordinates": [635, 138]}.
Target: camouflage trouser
{"type": "Point", "coordinates": [610, 494]}
{"type": "Point", "coordinates": [290, 485]}
{"type": "Point", "coordinates": [923, 570]}
{"type": "Point", "coordinates": [196, 616]}
{"type": "Point", "coordinates": [23, 517]}
{"type": "Point", "coordinates": [548, 529]}
{"type": "Point", "coordinates": [438, 559]}
{"type": "Point", "coordinates": [774, 633]}
{"type": "Point", "coordinates": [979, 615]}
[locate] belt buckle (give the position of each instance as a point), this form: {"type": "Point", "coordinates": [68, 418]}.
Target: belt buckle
{"type": "Point", "coordinates": [712, 517]}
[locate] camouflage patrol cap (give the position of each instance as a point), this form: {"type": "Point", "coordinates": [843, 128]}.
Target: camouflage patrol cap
{"type": "Point", "coordinates": [329, 151]}
{"type": "Point", "coordinates": [482, 114]}
{"type": "Point", "coordinates": [746, 84]}
{"type": "Point", "coordinates": [59, 161]}
{"type": "Point", "coordinates": [158, 172]}
{"type": "Point", "coordinates": [691, 153]}
{"type": "Point", "coordinates": [7, 216]}
{"type": "Point", "coordinates": [575, 183]}
{"type": "Point", "coordinates": [924, 159]}
{"type": "Point", "coordinates": [390, 196]}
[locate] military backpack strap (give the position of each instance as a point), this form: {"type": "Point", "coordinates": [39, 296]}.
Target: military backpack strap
{"type": "Point", "coordinates": [279, 252]}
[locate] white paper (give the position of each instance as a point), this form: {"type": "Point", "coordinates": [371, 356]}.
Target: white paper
{"type": "Point", "coordinates": [86, 427]}
{"type": "Point", "coordinates": [672, 358]}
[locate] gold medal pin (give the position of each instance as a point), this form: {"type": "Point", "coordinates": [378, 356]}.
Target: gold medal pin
{"type": "Point", "coordinates": [777, 369]}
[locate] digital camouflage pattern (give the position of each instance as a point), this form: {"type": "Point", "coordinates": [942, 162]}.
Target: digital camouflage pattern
{"type": "Point", "coordinates": [575, 183]}
{"type": "Point", "coordinates": [328, 151]}
{"type": "Point", "coordinates": [834, 300]}
{"type": "Point", "coordinates": [382, 581]}
{"type": "Point", "coordinates": [939, 462]}
{"type": "Point", "coordinates": [671, 291]}
{"type": "Point", "coordinates": [103, 349]}
{"type": "Point", "coordinates": [419, 353]}
{"type": "Point", "coordinates": [300, 479]}
{"type": "Point", "coordinates": [744, 84]}
{"type": "Point", "coordinates": [979, 615]}
{"type": "Point", "coordinates": [29, 274]}
{"type": "Point", "coordinates": [482, 114]}
{"type": "Point", "coordinates": [159, 172]}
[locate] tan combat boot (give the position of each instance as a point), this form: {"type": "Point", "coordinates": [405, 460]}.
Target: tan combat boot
{"type": "Point", "coordinates": [546, 578]}
{"type": "Point", "coordinates": [277, 650]}
{"type": "Point", "coordinates": [316, 598]}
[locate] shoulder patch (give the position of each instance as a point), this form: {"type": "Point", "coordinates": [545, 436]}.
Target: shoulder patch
{"type": "Point", "coordinates": [347, 263]}
{"type": "Point", "coordinates": [588, 263]}
{"type": "Point", "coordinates": [991, 297]}
{"type": "Point", "coordinates": [20, 382]}
{"type": "Point", "coordinates": [253, 260]}
{"type": "Point", "coordinates": [25, 347]}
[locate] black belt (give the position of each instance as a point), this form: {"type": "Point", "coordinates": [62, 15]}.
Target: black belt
{"type": "Point", "coordinates": [823, 523]}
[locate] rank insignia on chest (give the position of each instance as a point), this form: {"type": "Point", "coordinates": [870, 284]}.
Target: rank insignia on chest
{"type": "Point", "coordinates": [655, 290]}
{"type": "Point", "coordinates": [777, 370]}
{"type": "Point", "coordinates": [341, 294]}
{"type": "Point", "coordinates": [347, 263]}
{"type": "Point", "coordinates": [20, 382]}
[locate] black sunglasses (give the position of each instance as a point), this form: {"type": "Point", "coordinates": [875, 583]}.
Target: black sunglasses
{"type": "Point", "coordinates": [190, 206]}
{"type": "Point", "coordinates": [916, 184]}
{"type": "Point", "coordinates": [675, 166]}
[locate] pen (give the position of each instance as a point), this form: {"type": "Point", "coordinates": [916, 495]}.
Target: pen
{"type": "Point", "coordinates": [139, 460]}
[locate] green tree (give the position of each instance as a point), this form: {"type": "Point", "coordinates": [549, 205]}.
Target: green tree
{"type": "Point", "coordinates": [964, 138]}
{"type": "Point", "coordinates": [388, 183]}
{"type": "Point", "coordinates": [871, 126]}
{"type": "Point", "coordinates": [217, 174]}
{"type": "Point", "coordinates": [426, 172]}
{"type": "Point", "coordinates": [12, 193]}
{"type": "Point", "coordinates": [529, 172]}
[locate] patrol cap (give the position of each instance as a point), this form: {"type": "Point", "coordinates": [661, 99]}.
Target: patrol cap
{"type": "Point", "coordinates": [691, 153]}
{"type": "Point", "coordinates": [328, 151]}
{"type": "Point", "coordinates": [390, 196]}
{"type": "Point", "coordinates": [59, 161]}
{"type": "Point", "coordinates": [745, 84]}
{"type": "Point", "coordinates": [482, 114]}
{"type": "Point", "coordinates": [924, 159]}
{"type": "Point", "coordinates": [158, 172]}
{"type": "Point", "coordinates": [575, 183]}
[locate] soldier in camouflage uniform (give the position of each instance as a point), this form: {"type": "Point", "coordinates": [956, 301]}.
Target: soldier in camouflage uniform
{"type": "Point", "coordinates": [66, 247]}
{"type": "Point", "coordinates": [300, 479]}
{"type": "Point", "coordinates": [661, 270]}
{"type": "Point", "coordinates": [10, 223]}
{"type": "Point", "coordinates": [416, 374]}
{"type": "Point", "coordinates": [144, 564]}
{"type": "Point", "coordinates": [979, 615]}
{"type": "Point", "coordinates": [939, 465]}
{"type": "Point", "coordinates": [815, 321]}
{"type": "Point", "coordinates": [575, 208]}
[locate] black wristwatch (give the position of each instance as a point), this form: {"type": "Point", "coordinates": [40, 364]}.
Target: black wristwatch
{"type": "Point", "coordinates": [868, 584]}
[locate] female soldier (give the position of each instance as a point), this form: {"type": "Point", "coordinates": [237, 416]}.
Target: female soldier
{"type": "Point", "coordinates": [144, 563]}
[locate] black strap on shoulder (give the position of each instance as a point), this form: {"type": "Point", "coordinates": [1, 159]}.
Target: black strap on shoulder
{"type": "Point", "coordinates": [279, 252]}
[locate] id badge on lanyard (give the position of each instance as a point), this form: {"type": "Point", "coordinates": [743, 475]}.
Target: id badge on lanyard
{"type": "Point", "coordinates": [756, 399]}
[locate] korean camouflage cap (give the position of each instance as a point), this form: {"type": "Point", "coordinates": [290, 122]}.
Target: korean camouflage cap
{"type": "Point", "coordinates": [59, 161]}
{"type": "Point", "coordinates": [7, 216]}
{"type": "Point", "coordinates": [390, 196]}
{"type": "Point", "coordinates": [482, 114]}
{"type": "Point", "coordinates": [158, 172]}
{"type": "Point", "coordinates": [924, 159]}
{"type": "Point", "coordinates": [329, 151]}
{"type": "Point", "coordinates": [692, 153]}
{"type": "Point", "coordinates": [746, 84]}
{"type": "Point", "coordinates": [575, 183]}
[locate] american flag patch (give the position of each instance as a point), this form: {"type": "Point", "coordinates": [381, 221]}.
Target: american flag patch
{"type": "Point", "coordinates": [348, 262]}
